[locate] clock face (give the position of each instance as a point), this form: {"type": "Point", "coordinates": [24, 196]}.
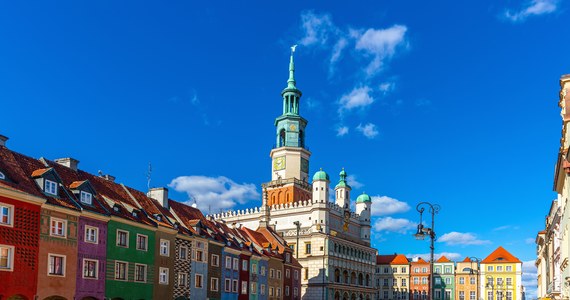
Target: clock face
{"type": "Point", "coordinates": [304, 165]}
{"type": "Point", "coordinates": [292, 127]}
{"type": "Point", "coordinates": [279, 163]}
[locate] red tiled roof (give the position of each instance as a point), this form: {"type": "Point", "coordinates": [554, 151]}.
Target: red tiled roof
{"type": "Point", "coordinates": [76, 184]}
{"type": "Point", "coordinates": [467, 259]}
{"type": "Point", "coordinates": [443, 259]}
{"type": "Point", "coordinates": [400, 259]}
{"type": "Point", "coordinates": [385, 259]}
{"type": "Point", "coordinates": [500, 255]}
{"type": "Point", "coordinates": [39, 172]}
{"type": "Point", "coordinates": [420, 261]}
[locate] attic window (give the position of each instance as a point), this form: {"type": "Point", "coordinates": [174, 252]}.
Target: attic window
{"type": "Point", "coordinates": [86, 198]}
{"type": "Point", "coordinates": [2, 176]}
{"type": "Point", "coordinates": [134, 214]}
{"type": "Point", "coordinates": [50, 187]}
{"type": "Point", "coordinates": [116, 208]}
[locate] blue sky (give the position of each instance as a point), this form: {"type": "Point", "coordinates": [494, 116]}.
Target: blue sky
{"type": "Point", "coordinates": [453, 102]}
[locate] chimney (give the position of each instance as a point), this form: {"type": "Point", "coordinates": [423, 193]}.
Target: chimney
{"type": "Point", "coordinates": [159, 194]}
{"type": "Point", "coordinates": [3, 140]}
{"type": "Point", "coordinates": [68, 162]}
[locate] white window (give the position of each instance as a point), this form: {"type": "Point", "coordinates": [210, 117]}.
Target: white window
{"type": "Point", "coordinates": [182, 279]}
{"type": "Point", "coordinates": [198, 281]}
{"type": "Point", "coordinates": [228, 284]}
{"type": "Point", "coordinates": [244, 264]}
{"type": "Point", "coordinates": [447, 280]}
{"type": "Point", "coordinates": [236, 264]}
{"type": "Point", "coordinates": [234, 286]}
{"type": "Point", "coordinates": [183, 253]}
{"type": "Point", "coordinates": [403, 269]}
{"type": "Point", "coordinates": [262, 289]}
{"type": "Point", "coordinates": [57, 227]}
{"type": "Point", "coordinates": [91, 234]}
{"type": "Point", "coordinates": [489, 268]}
{"type": "Point", "coordinates": [56, 265]}
{"type": "Point", "coordinates": [140, 273]}
{"type": "Point", "coordinates": [287, 273]}
{"type": "Point", "coordinates": [121, 270]}
{"type": "Point", "coordinates": [437, 281]}
{"type": "Point", "coordinates": [509, 268]}
{"type": "Point", "coordinates": [287, 291]}
{"type": "Point", "coordinates": [472, 280]}
{"type": "Point", "coordinates": [509, 281]}
{"type": "Point", "coordinates": [6, 214]}
{"type": "Point", "coordinates": [499, 268]}
{"type": "Point", "coordinates": [438, 294]}
{"type": "Point", "coordinates": [403, 281]}
{"type": "Point", "coordinates": [164, 247]}
{"type": "Point", "coordinates": [244, 287]}
{"type": "Point", "coordinates": [215, 260]}
{"type": "Point", "coordinates": [214, 284]}
{"type": "Point", "coordinates": [50, 187]}
{"type": "Point", "coordinates": [142, 242]}
{"type": "Point", "coordinates": [472, 295]}
{"type": "Point", "coordinates": [6, 258]}
{"type": "Point", "coordinates": [424, 280]}
{"type": "Point", "coordinates": [86, 198]}
{"type": "Point", "coordinates": [163, 275]}
{"type": "Point", "coordinates": [122, 238]}
{"type": "Point", "coordinates": [278, 274]}
{"type": "Point", "coordinates": [437, 270]}
{"type": "Point", "coordinates": [198, 255]}
{"type": "Point", "coordinates": [228, 262]}
{"type": "Point", "coordinates": [509, 295]}
{"type": "Point", "coordinates": [253, 288]}
{"type": "Point", "coordinates": [271, 273]}
{"type": "Point", "coordinates": [254, 268]}
{"type": "Point", "coordinates": [295, 292]}
{"type": "Point", "coordinates": [296, 274]}
{"type": "Point", "coordinates": [424, 270]}
{"type": "Point", "coordinates": [271, 292]}
{"type": "Point", "coordinates": [262, 271]}
{"type": "Point", "coordinates": [90, 268]}
{"type": "Point", "coordinates": [278, 292]}
{"type": "Point", "coordinates": [461, 280]}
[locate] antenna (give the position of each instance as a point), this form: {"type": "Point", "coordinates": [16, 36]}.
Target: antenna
{"type": "Point", "coordinates": [148, 175]}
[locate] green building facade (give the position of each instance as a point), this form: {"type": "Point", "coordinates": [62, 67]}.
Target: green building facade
{"type": "Point", "coordinates": [444, 279]}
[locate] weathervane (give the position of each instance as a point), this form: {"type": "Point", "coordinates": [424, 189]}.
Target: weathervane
{"type": "Point", "coordinates": [293, 48]}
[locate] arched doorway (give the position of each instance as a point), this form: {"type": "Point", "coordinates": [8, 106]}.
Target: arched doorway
{"type": "Point", "coordinates": [18, 297]}
{"type": "Point", "coordinates": [345, 296]}
{"type": "Point", "coordinates": [337, 295]}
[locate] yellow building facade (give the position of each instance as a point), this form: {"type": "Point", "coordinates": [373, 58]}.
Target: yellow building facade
{"type": "Point", "coordinates": [501, 276]}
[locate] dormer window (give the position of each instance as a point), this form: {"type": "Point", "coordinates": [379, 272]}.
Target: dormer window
{"type": "Point", "coordinates": [135, 214]}
{"type": "Point", "coordinates": [50, 187]}
{"type": "Point", "coordinates": [86, 198]}
{"type": "Point", "coordinates": [2, 176]}
{"type": "Point", "coordinates": [116, 208]}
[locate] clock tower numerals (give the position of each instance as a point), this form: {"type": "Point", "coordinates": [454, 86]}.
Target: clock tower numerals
{"type": "Point", "coordinates": [279, 163]}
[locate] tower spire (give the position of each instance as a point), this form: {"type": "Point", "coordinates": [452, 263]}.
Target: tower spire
{"type": "Point", "coordinates": [291, 82]}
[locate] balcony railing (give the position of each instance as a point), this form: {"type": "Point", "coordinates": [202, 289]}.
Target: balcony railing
{"type": "Point", "coordinates": [281, 182]}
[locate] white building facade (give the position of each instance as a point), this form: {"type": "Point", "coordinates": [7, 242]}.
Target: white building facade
{"type": "Point", "coordinates": [331, 241]}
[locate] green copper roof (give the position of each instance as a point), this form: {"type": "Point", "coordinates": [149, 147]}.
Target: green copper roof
{"type": "Point", "coordinates": [363, 198]}
{"type": "Point", "coordinates": [321, 175]}
{"type": "Point", "coordinates": [342, 182]}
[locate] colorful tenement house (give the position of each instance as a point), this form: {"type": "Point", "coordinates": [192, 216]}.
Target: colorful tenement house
{"type": "Point", "coordinates": [501, 274]}
{"type": "Point", "coordinates": [444, 279]}
{"type": "Point", "coordinates": [467, 280]}
{"type": "Point", "coordinates": [392, 276]}
{"type": "Point", "coordinates": [20, 204]}
{"type": "Point", "coordinates": [419, 280]}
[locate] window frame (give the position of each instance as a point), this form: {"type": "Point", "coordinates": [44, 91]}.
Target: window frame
{"type": "Point", "coordinates": [236, 264]}
{"type": "Point", "coordinates": [87, 260]}
{"type": "Point", "coordinates": [83, 195]}
{"type": "Point", "coordinates": [164, 244]}
{"type": "Point", "coordinates": [50, 187]}
{"type": "Point", "coordinates": [244, 285]}
{"type": "Point", "coordinates": [63, 229]}
{"type": "Point", "coordinates": [2, 176]}
{"type": "Point", "coordinates": [95, 235]}
{"type": "Point", "coordinates": [244, 265]}
{"type": "Point", "coordinates": [214, 287]}
{"type": "Point", "coordinates": [185, 248]}
{"type": "Point", "coordinates": [160, 274]}
{"type": "Point", "coordinates": [117, 264]}
{"type": "Point", "coordinates": [137, 272]}
{"type": "Point", "coordinates": [10, 218]}
{"type": "Point", "coordinates": [234, 286]}
{"type": "Point", "coordinates": [215, 260]}
{"type": "Point", "coordinates": [9, 258]}
{"type": "Point", "coordinates": [227, 285]}
{"type": "Point", "coordinates": [63, 264]}
{"type": "Point", "coordinates": [126, 239]}
{"type": "Point", "coordinates": [182, 275]}
{"type": "Point", "coordinates": [201, 281]}
{"type": "Point", "coordinates": [145, 242]}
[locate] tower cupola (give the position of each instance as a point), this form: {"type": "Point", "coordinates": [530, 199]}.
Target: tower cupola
{"type": "Point", "coordinates": [321, 186]}
{"type": "Point", "coordinates": [342, 191]}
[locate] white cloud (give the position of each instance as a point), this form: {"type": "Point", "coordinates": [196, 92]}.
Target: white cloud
{"type": "Point", "coordinates": [214, 193]}
{"type": "Point", "coordinates": [317, 29]}
{"type": "Point", "coordinates": [358, 98]}
{"type": "Point", "coordinates": [532, 8]}
{"type": "Point", "coordinates": [353, 182]}
{"type": "Point", "coordinates": [529, 278]}
{"type": "Point", "coordinates": [459, 238]}
{"type": "Point", "coordinates": [529, 241]}
{"type": "Point", "coordinates": [425, 256]}
{"type": "Point", "coordinates": [384, 205]}
{"type": "Point", "coordinates": [369, 130]}
{"type": "Point", "coordinates": [389, 224]}
{"type": "Point", "coordinates": [342, 131]}
{"type": "Point", "coordinates": [505, 227]}
{"type": "Point", "coordinates": [380, 44]}
{"type": "Point", "coordinates": [386, 87]}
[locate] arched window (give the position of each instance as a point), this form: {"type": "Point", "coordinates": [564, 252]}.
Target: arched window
{"type": "Point", "coordinates": [353, 278]}
{"type": "Point", "coordinates": [337, 275]}
{"type": "Point", "coordinates": [282, 138]}
{"type": "Point", "coordinates": [367, 280]}
{"type": "Point", "coordinates": [345, 276]}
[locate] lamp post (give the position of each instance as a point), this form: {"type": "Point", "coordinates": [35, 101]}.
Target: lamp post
{"type": "Point", "coordinates": [477, 260]}
{"type": "Point", "coordinates": [423, 232]}
{"type": "Point", "coordinates": [490, 283]}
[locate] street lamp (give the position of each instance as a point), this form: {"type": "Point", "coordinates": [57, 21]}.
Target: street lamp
{"type": "Point", "coordinates": [490, 283]}
{"type": "Point", "coordinates": [477, 260]}
{"type": "Point", "coordinates": [423, 232]}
